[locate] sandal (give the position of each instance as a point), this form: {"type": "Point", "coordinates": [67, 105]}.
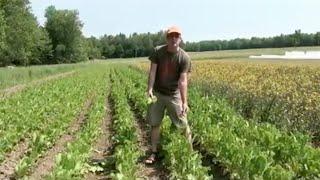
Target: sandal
{"type": "Point", "coordinates": [152, 158]}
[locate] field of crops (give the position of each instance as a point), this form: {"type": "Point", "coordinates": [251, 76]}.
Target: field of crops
{"type": "Point", "coordinates": [284, 93]}
{"type": "Point", "coordinates": [90, 124]}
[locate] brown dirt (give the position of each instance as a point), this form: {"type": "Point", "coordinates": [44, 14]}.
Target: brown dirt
{"type": "Point", "coordinates": [12, 159]}
{"type": "Point", "coordinates": [12, 90]}
{"type": "Point", "coordinates": [102, 147]}
{"type": "Point", "coordinates": [46, 163]}
{"type": "Point", "coordinates": [157, 170]}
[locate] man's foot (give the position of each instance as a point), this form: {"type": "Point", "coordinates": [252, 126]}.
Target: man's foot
{"type": "Point", "coordinates": [152, 158]}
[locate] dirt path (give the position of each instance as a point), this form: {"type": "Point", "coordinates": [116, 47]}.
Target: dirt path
{"type": "Point", "coordinates": [12, 90]}
{"type": "Point", "coordinates": [152, 172]}
{"type": "Point", "coordinates": [46, 163]}
{"type": "Point", "coordinates": [103, 145]}
{"type": "Point", "coordinates": [12, 159]}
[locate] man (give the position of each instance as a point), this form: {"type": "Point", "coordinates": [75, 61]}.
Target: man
{"type": "Point", "coordinates": [167, 83]}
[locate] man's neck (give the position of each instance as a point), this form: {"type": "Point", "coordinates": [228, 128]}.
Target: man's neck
{"type": "Point", "coordinates": [173, 49]}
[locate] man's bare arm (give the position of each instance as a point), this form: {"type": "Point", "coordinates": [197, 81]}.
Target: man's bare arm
{"type": "Point", "coordinates": [151, 79]}
{"type": "Point", "coordinates": [183, 87]}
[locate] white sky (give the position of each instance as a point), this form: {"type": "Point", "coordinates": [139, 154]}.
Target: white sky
{"type": "Point", "coordinates": [199, 19]}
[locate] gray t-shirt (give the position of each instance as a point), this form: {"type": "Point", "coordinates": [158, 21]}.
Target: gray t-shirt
{"type": "Point", "coordinates": [169, 67]}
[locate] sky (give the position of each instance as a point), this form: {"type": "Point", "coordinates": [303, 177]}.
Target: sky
{"type": "Point", "coordinates": [198, 19]}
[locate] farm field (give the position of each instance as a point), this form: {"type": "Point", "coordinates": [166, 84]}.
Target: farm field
{"type": "Point", "coordinates": [283, 94]}
{"type": "Point", "coordinates": [250, 120]}
{"type": "Point", "coordinates": [245, 53]}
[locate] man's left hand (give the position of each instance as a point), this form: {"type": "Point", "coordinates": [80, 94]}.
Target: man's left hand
{"type": "Point", "coordinates": [184, 109]}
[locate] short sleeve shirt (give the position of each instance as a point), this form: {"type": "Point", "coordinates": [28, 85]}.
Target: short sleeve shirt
{"type": "Point", "coordinates": [169, 68]}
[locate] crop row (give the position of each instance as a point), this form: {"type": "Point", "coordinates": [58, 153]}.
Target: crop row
{"type": "Point", "coordinates": [284, 94]}
{"type": "Point", "coordinates": [125, 139]}
{"type": "Point", "coordinates": [23, 115]}
{"type": "Point", "coordinates": [53, 119]}
{"type": "Point", "coordinates": [182, 161]}
{"type": "Point", "coordinates": [73, 163]}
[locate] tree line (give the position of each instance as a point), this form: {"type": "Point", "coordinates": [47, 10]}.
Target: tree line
{"type": "Point", "coordinates": [137, 45]}
{"type": "Point", "coordinates": [291, 40]}
{"type": "Point", "coordinates": [60, 40]}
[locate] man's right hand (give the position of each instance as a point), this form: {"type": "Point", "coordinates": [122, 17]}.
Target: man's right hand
{"type": "Point", "coordinates": [150, 94]}
{"type": "Point", "coordinates": [150, 97]}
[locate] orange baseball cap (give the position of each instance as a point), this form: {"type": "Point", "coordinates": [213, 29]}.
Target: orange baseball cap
{"type": "Point", "coordinates": [174, 29]}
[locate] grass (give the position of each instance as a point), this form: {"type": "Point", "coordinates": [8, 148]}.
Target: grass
{"type": "Point", "coordinates": [19, 75]}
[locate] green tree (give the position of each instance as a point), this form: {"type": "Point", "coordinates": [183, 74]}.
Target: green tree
{"type": "Point", "coordinates": [93, 48]}
{"type": "Point", "coordinates": [256, 42]}
{"type": "Point", "coordinates": [2, 38]}
{"type": "Point", "coordinates": [21, 31]}
{"type": "Point", "coordinates": [307, 39]}
{"type": "Point", "coordinates": [64, 28]}
{"type": "Point", "coordinates": [42, 51]}
{"type": "Point", "coordinates": [119, 51]}
{"type": "Point", "coordinates": [317, 38]}
{"type": "Point", "coordinates": [106, 49]}
{"type": "Point", "coordinates": [296, 38]}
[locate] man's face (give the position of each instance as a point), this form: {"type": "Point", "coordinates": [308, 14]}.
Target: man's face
{"type": "Point", "coordinates": [173, 39]}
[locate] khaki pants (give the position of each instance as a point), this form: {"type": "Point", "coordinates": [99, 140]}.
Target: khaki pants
{"type": "Point", "coordinates": [172, 104]}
